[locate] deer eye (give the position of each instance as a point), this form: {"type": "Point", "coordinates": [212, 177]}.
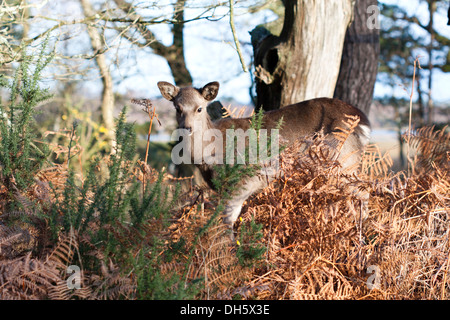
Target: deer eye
{"type": "Point", "coordinates": [199, 110]}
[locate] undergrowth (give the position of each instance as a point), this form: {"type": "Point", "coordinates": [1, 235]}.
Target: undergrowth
{"type": "Point", "coordinates": [105, 234]}
{"type": "Point", "coordinates": [122, 230]}
{"type": "Point", "coordinates": [319, 244]}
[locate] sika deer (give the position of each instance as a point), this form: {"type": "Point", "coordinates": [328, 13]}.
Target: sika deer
{"type": "Point", "coordinates": [298, 120]}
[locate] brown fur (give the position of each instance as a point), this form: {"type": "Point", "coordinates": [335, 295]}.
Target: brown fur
{"type": "Point", "coordinates": [298, 120]}
{"type": "Point", "coordinates": [303, 118]}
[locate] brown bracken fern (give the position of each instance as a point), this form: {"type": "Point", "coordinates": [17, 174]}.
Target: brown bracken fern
{"type": "Point", "coordinates": [318, 246]}
{"type": "Point", "coordinates": [318, 243]}
{"type": "Point", "coordinates": [433, 147]}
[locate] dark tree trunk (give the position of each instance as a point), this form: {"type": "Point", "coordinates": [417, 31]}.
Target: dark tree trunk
{"type": "Point", "coordinates": [359, 63]}
{"type": "Point", "coordinates": [175, 53]}
{"type": "Point", "coordinates": [303, 62]}
{"type": "Point", "coordinates": [420, 101]}
{"type": "Point", "coordinates": [180, 72]}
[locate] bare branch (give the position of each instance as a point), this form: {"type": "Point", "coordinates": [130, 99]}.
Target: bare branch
{"type": "Point", "coordinates": [236, 40]}
{"type": "Point", "coordinates": [146, 34]}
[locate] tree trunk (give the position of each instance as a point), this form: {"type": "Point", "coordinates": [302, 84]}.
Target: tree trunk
{"type": "Point", "coordinates": [359, 64]}
{"type": "Point", "coordinates": [107, 104]}
{"type": "Point", "coordinates": [175, 56]}
{"type": "Point", "coordinates": [421, 110]}
{"type": "Point", "coordinates": [303, 62]}
{"type": "Point", "coordinates": [180, 72]}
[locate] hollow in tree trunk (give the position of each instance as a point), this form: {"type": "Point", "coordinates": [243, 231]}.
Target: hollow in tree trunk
{"type": "Point", "coordinates": [303, 62]}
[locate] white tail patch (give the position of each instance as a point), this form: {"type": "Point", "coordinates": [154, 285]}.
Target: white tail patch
{"type": "Point", "coordinates": [365, 137]}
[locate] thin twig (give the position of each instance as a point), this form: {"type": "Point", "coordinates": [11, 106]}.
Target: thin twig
{"type": "Point", "coordinates": [151, 112]}
{"type": "Point", "coordinates": [72, 134]}
{"type": "Point", "coordinates": [416, 62]}
{"type": "Point", "coordinates": [152, 115]}
{"type": "Point", "coordinates": [235, 38]}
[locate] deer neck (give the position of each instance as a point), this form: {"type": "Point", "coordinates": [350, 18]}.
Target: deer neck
{"type": "Point", "coordinates": [197, 141]}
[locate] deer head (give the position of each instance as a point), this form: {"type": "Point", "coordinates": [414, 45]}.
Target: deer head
{"type": "Point", "coordinates": [191, 104]}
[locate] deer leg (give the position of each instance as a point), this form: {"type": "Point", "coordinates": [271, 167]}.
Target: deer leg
{"type": "Point", "coordinates": [246, 189]}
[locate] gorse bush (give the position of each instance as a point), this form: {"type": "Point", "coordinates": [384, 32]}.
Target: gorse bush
{"type": "Point", "coordinates": [20, 158]}
{"type": "Point", "coordinates": [106, 216]}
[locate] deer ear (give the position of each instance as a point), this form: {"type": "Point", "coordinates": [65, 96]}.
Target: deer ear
{"type": "Point", "coordinates": [210, 91]}
{"type": "Point", "coordinates": [168, 90]}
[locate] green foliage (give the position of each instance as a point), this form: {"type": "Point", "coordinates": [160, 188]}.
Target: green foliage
{"type": "Point", "coordinates": [228, 175]}
{"type": "Point", "coordinates": [154, 285]}
{"type": "Point", "coordinates": [251, 250]}
{"type": "Point", "coordinates": [20, 158]}
{"type": "Point", "coordinates": [115, 214]}
{"type": "Point", "coordinates": [119, 225]}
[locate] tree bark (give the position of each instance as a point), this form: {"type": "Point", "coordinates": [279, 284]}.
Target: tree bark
{"type": "Point", "coordinates": [108, 100]}
{"type": "Point", "coordinates": [303, 62]}
{"type": "Point", "coordinates": [359, 64]}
